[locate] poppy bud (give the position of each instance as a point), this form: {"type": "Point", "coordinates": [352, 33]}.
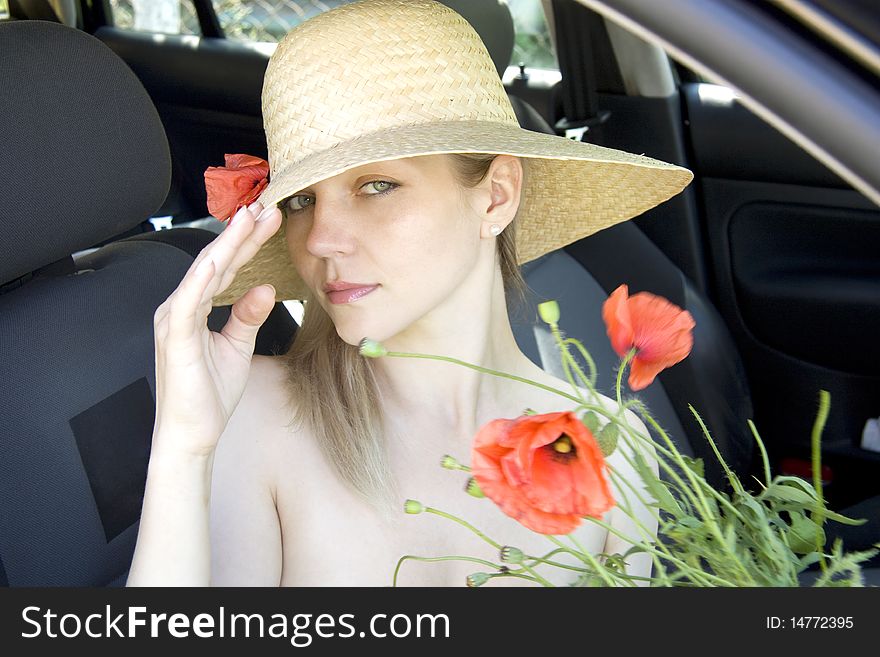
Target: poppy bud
{"type": "Point", "coordinates": [549, 312]}
{"type": "Point", "coordinates": [372, 349]}
{"type": "Point", "coordinates": [607, 438]}
{"type": "Point", "coordinates": [477, 579]}
{"type": "Point", "coordinates": [450, 463]}
{"type": "Point", "coordinates": [413, 507]}
{"type": "Point", "coordinates": [473, 488]}
{"type": "Point", "coordinates": [591, 421]}
{"type": "Point", "coordinates": [510, 554]}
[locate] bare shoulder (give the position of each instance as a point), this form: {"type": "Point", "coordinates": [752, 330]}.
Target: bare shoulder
{"type": "Point", "coordinates": [245, 528]}
{"type": "Point", "coordinates": [557, 402]}
{"type": "Point", "coordinates": [260, 408]}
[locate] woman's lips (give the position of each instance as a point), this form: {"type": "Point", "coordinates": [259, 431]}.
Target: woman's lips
{"type": "Point", "coordinates": [349, 295]}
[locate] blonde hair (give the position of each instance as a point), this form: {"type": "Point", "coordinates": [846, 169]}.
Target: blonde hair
{"type": "Point", "coordinates": [335, 392]}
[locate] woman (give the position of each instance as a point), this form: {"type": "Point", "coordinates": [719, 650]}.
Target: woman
{"type": "Point", "coordinates": [407, 194]}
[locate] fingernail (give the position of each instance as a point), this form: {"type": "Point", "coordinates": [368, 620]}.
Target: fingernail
{"type": "Point", "coordinates": [255, 207]}
{"type": "Point", "coordinates": [266, 213]}
{"type": "Point", "coordinates": [238, 215]}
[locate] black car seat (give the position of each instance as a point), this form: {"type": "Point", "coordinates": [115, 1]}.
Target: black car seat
{"type": "Point", "coordinates": [84, 159]}
{"type": "Point", "coordinates": [59, 11]}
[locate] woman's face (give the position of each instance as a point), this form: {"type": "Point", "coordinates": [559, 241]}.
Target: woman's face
{"type": "Point", "coordinates": [385, 245]}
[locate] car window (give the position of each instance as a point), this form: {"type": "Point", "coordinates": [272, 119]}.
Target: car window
{"type": "Point", "coordinates": [161, 16]}
{"type": "Point", "coordinates": [533, 46]}
{"type": "Point", "coordinates": [269, 20]}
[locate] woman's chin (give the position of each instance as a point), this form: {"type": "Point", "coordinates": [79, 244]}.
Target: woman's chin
{"type": "Point", "coordinates": [353, 332]}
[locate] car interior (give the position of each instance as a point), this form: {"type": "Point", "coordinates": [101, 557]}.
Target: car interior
{"type": "Point", "coordinates": [108, 129]}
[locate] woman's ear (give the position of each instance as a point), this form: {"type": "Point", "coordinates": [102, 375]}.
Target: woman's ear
{"type": "Point", "coordinates": [504, 180]}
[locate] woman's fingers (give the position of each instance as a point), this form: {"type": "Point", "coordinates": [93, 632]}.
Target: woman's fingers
{"type": "Point", "coordinates": [185, 312]}
{"type": "Point", "coordinates": [248, 315]}
{"type": "Point", "coordinates": [183, 303]}
{"type": "Point", "coordinates": [247, 236]}
{"type": "Point", "coordinates": [265, 225]}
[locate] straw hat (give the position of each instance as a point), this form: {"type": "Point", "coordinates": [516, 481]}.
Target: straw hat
{"type": "Point", "coordinates": [385, 79]}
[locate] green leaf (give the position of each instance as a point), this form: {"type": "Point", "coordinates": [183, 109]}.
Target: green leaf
{"type": "Point", "coordinates": [781, 491]}
{"type": "Point", "coordinates": [655, 486]}
{"type": "Point", "coordinates": [807, 560]}
{"type": "Point", "coordinates": [804, 534]}
{"type": "Point", "coordinates": [843, 520]}
{"type": "Point", "coordinates": [690, 521]}
{"type": "Point", "coordinates": [695, 465]}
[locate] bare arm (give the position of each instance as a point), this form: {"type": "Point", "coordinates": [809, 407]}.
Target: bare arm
{"type": "Point", "coordinates": [245, 529]}
{"type": "Point", "coordinates": [200, 379]}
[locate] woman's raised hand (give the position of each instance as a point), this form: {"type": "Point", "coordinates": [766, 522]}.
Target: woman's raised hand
{"type": "Point", "coordinates": [200, 374]}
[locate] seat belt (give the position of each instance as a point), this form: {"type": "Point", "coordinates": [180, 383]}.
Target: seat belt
{"type": "Point", "coordinates": [576, 30]}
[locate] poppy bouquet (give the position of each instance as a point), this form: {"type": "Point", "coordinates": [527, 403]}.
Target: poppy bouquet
{"type": "Point", "coordinates": [551, 472]}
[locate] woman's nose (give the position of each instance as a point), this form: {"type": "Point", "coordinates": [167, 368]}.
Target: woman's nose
{"type": "Point", "coordinates": [330, 233]}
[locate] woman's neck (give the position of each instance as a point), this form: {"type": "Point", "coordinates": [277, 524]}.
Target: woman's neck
{"type": "Point", "coordinates": [447, 397]}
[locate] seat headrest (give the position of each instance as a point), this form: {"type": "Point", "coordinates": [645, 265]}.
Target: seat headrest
{"type": "Point", "coordinates": [84, 156]}
{"type": "Point", "coordinates": [492, 21]}
{"type": "Point", "coordinates": [60, 11]}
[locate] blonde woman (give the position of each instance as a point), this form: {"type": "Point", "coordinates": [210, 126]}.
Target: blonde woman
{"type": "Point", "coordinates": [402, 198]}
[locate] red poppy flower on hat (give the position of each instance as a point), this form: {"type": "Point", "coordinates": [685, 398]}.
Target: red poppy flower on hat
{"type": "Point", "coordinates": [235, 185]}
{"type": "Point", "coordinates": [545, 471]}
{"type": "Point", "coordinates": [661, 332]}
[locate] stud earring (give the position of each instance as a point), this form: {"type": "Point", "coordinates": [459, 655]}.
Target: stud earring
{"type": "Point", "coordinates": [495, 230]}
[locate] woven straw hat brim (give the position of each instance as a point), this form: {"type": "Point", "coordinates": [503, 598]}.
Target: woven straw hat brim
{"type": "Point", "coordinates": [572, 189]}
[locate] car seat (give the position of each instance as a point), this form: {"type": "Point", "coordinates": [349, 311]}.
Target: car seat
{"type": "Point", "coordinates": [85, 159]}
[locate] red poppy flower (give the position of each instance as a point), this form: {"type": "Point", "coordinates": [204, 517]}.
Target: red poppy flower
{"type": "Point", "coordinates": [545, 471]}
{"type": "Point", "coordinates": [661, 332]}
{"type": "Point", "coordinates": [237, 184]}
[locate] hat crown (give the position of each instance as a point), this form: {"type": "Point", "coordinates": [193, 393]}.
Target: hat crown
{"type": "Point", "coordinates": [371, 66]}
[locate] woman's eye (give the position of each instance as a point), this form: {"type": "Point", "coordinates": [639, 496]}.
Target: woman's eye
{"type": "Point", "coordinates": [378, 187]}
{"type": "Point", "coordinates": [300, 202]}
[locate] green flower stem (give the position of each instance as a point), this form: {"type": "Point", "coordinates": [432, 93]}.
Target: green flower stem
{"type": "Point", "coordinates": [564, 548]}
{"type": "Point", "coordinates": [588, 359]}
{"type": "Point", "coordinates": [464, 524]}
{"type": "Point", "coordinates": [761, 447]}
{"type": "Point", "coordinates": [676, 457]}
{"type": "Point", "coordinates": [545, 560]}
{"type": "Point", "coordinates": [734, 482]}
{"type": "Point", "coordinates": [628, 577]}
{"type": "Point", "coordinates": [510, 573]}
{"type": "Point", "coordinates": [567, 362]}
{"type": "Point", "coordinates": [698, 485]}
{"type": "Point", "coordinates": [538, 578]}
{"type": "Point", "coordinates": [412, 557]}
{"type": "Point", "coordinates": [586, 557]}
{"type": "Point", "coordinates": [600, 568]}
{"type": "Point", "coordinates": [693, 571]}
{"type": "Point", "coordinates": [484, 370]}
{"type": "Point", "coordinates": [629, 356]}
{"type": "Point", "coordinates": [671, 452]}
{"type": "Point", "coordinates": [645, 532]}
{"type": "Point", "coordinates": [818, 515]}
{"type": "Point", "coordinates": [664, 465]}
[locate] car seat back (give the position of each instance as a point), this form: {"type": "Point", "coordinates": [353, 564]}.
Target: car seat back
{"type": "Point", "coordinates": [84, 159]}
